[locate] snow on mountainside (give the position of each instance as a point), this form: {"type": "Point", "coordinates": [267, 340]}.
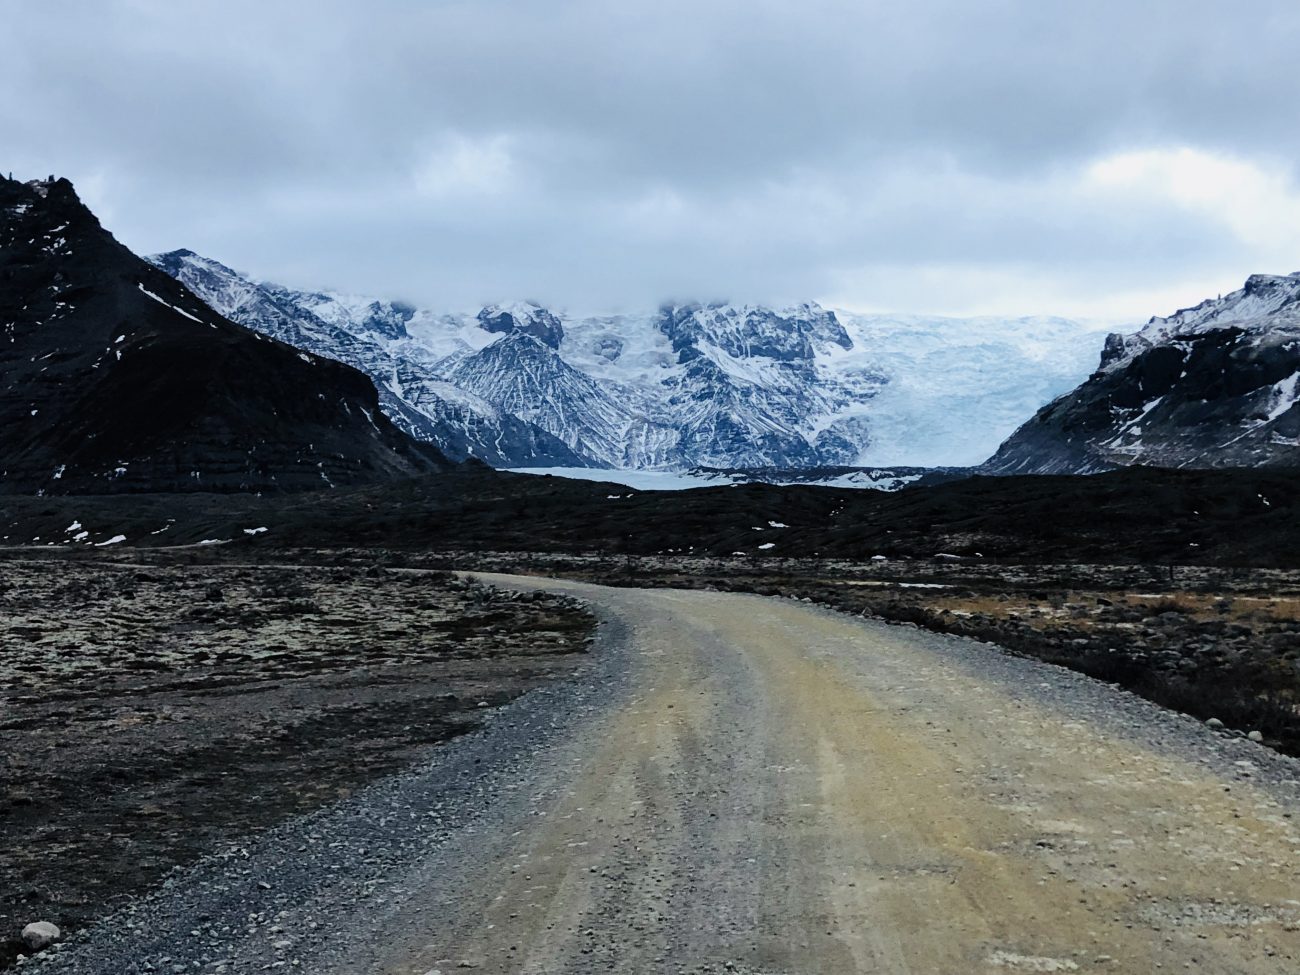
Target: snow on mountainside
{"type": "Point", "coordinates": [522, 375]}
{"type": "Point", "coordinates": [371, 335]}
{"type": "Point", "coordinates": [686, 386]}
{"type": "Point", "coordinates": [752, 392]}
{"type": "Point", "coordinates": [1212, 386]}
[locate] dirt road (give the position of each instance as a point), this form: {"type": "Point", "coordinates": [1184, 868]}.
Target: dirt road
{"type": "Point", "coordinates": [773, 788]}
{"type": "Point", "coordinates": [791, 791]}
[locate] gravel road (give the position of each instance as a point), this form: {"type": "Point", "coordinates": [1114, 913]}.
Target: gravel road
{"type": "Point", "coordinates": [757, 785]}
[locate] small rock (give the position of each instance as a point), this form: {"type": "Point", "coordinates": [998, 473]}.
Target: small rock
{"type": "Point", "coordinates": [1214, 723]}
{"type": "Point", "coordinates": [41, 934]}
{"type": "Point", "coordinates": [1255, 736]}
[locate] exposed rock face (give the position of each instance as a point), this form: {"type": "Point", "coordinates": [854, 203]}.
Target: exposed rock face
{"type": "Point", "coordinates": [1217, 385]}
{"type": "Point", "coordinates": [524, 376]}
{"type": "Point", "coordinates": [794, 336]}
{"type": "Point", "coordinates": [526, 318]}
{"type": "Point", "coordinates": [750, 381]}
{"type": "Point", "coordinates": [115, 377]}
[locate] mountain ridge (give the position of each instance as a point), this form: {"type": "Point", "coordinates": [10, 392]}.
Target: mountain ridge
{"type": "Point", "coordinates": [371, 335]}
{"type": "Point", "coordinates": [1214, 385]}
{"type": "Point", "coordinates": [687, 385]}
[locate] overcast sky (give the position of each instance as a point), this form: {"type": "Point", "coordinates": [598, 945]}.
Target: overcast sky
{"type": "Point", "coordinates": [1101, 159]}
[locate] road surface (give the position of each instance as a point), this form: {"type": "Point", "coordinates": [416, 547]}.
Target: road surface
{"type": "Point", "coordinates": [791, 791]}
{"type": "Point", "coordinates": [769, 787]}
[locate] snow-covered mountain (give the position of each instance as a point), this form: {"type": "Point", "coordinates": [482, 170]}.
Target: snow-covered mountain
{"type": "Point", "coordinates": [371, 335]}
{"type": "Point", "coordinates": [524, 376]}
{"type": "Point", "coordinates": [1212, 386]}
{"type": "Point", "coordinates": [680, 387]}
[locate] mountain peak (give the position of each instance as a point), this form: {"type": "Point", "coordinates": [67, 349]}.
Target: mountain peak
{"type": "Point", "coordinates": [793, 335]}
{"type": "Point", "coordinates": [61, 185]}
{"type": "Point", "coordinates": [1210, 386]}
{"type": "Point", "coordinates": [1257, 283]}
{"type": "Point", "coordinates": [526, 317]}
{"type": "Point", "coordinates": [176, 256]}
{"type": "Point", "coordinates": [173, 261]}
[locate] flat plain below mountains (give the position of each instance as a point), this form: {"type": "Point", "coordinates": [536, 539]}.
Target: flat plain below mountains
{"type": "Point", "coordinates": [179, 674]}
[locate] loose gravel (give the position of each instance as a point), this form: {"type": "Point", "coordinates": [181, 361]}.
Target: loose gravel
{"type": "Point", "coordinates": [261, 905]}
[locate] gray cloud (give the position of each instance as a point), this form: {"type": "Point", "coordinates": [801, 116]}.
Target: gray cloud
{"type": "Point", "coordinates": [927, 156]}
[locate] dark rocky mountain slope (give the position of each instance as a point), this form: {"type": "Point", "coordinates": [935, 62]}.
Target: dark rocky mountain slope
{"type": "Point", "coordinates": [115, 377]}
{"type": "Point", "coordinates": [1213, 386]}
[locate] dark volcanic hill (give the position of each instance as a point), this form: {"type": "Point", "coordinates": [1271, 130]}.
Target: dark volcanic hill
{"type": "Point", "coordinates": [114, 377]}
{"type": "Point", "coordinates": [1211, 386]}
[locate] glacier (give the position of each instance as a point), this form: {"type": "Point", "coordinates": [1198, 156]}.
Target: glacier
{"type": "Point", "coordinates": [678, 388]}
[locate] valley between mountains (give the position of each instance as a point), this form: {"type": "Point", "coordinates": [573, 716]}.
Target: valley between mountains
{"type": "Point", "coordinates": [753, 785]}
{"type": "Point", "coordinates": [1030, 705]}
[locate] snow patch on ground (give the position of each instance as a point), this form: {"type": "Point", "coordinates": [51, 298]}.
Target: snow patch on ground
{"type": "Point", "coordinates": [163, 301]}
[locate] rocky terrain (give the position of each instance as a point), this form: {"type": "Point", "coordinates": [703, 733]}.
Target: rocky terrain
{"type": "Point", "coordinates": [756, 785]}
{"type": "Point", "coordinates": [1133, 515]}
{"type": "Point", "coordinates": [117, 378]}
{"type": "Point", "coordinates": [1210, 386]}
{"type": "Point", "coordinates": [154, 712]}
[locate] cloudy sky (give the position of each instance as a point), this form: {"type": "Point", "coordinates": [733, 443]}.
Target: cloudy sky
{"type": "Point", "coordinates": [1101, 159]}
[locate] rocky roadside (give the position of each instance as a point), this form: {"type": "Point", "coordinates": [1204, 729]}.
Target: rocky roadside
{"type": "Point", "coordinates": [263, 902]}
{"type": "Point", "coordinates": [152, 713]}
